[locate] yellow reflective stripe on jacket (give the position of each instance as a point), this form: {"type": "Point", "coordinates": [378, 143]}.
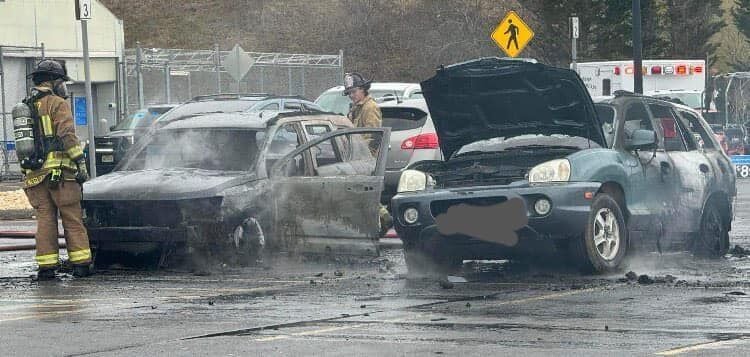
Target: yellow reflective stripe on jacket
{"type": "Point", "coordinates": [47, 125]}
{"type": "Point", "coordinates": [80, 255]}
{"type": "Point", "coordinates": [48, 259]}
{"type": "Point", "coordinates": [57, 159]}
{"type": "Point", "coordinates": [75, 152]}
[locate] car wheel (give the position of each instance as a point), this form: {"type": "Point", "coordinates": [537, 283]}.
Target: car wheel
{"type": "Point", "coordinates": [605, 242]}
{"type": "Point", "coordinates": [429, 258]}
{"type": "Point", "coordinates": [713, 239]}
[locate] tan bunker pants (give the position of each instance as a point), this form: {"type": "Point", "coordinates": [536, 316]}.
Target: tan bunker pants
{"type": "Point", "coordinates": [47, 202]}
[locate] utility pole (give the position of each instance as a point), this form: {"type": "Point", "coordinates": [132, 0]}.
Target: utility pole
{"type": "Point", "coordinates": [637, 49]}
{"type": "Point", "coordinates": [574, 36]}
{"type": "Point", "coordinates": [83, 13]}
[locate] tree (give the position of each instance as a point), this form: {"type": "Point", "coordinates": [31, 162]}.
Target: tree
{"type": "Point", "coordinates": [741, 16]}
{"type": "Point", "coordinates": [692, 23]}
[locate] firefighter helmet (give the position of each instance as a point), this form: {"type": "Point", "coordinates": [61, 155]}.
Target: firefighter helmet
{"type": "Point", "coordinates": [355, 80]}
{"type": "Point", "coordinates": [49, 70]}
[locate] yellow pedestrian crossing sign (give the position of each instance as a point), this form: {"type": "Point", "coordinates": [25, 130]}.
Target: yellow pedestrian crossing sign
{"type": "Point", "coordinates": [512, 34]}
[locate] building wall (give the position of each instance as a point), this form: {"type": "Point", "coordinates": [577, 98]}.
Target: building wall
{"type": "Point", "coordinates": [52, 22]}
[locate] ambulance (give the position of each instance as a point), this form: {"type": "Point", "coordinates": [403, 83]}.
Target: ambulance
{"type": "Point", "coordinates": [683, 80]}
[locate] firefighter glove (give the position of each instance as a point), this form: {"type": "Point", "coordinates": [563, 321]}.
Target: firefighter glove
{"type": "Point", "coordinates": [82, 175]}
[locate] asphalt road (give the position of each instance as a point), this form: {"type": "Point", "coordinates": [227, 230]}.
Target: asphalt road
{"type": "Point", "coordinates": [367, 307]}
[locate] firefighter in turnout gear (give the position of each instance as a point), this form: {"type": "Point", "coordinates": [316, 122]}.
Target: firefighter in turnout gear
{"type": "Point", "coordinates": [365, 113]}
{"type": "Point", "coordinates": [54, 174]}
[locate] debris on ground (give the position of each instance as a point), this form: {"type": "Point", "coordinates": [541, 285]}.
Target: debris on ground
{"type": "Point", "coordinates": [665, 279]}
{"type": "Point", "coordinates": [446, 284]}
{"type": "Point", "coordinates": [457, 279]}
{"type": "Point", "coordinates": [714, 299]}
{"type": "Point", "coordinates": [645, 280]}
{"type": "Point", "coordinates": [739, 251]}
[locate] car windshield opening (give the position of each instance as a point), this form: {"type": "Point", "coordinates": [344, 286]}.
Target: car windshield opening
{"type": "Point", "coordinates": [206, 149]}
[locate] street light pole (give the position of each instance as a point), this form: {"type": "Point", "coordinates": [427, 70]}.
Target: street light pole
{"type": "Point", "coordinates": [637, 49]}
{"type": "Point", "coordinates": [89, 104]}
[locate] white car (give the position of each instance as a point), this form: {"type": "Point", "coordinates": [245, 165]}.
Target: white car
{"type": "Point", "coordinates": [334, 100]}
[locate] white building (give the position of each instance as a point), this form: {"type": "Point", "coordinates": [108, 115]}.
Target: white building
{"type": "Point", "coordinates": [51, 24]}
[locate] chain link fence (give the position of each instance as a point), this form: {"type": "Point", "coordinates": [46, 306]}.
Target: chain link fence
{"type": "Point", "coordinates": [158, 75]}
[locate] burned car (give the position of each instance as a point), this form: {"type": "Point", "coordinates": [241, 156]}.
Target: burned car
{"type": "Point", "coordinates": [234, 183]}
{"type": "Point", "coordinates": [530, 164]}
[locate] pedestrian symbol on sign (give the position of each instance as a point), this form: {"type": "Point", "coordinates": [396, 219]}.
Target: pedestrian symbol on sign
{"type": "Point", "coordinates": [512, 34]}
{"type": "Point", "coordinates": [513, 30]}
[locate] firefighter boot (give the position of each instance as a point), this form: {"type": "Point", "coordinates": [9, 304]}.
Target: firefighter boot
{"type": "Point", "coordinates": [45, 274]}
{"type": "Point", "coordinates": [82, 270]}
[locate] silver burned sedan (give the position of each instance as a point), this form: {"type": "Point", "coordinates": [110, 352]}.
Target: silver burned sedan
{"type": "Point", "coordinates": [413, 139]}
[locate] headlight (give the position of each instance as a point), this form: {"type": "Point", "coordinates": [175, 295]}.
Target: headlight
{"type": "Point", "coordinates": [414, 180]}
{"type": "Point", "coordinates": [550, 171]}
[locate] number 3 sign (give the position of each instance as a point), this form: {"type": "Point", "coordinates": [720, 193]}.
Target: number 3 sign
{"type": "Point", "coordinates": [83, 9]}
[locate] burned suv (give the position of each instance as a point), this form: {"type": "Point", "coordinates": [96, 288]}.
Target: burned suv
{"type": "Point", "coordinates": [530, 163]}
{"type": "Point", "coordinates": [234, 183]}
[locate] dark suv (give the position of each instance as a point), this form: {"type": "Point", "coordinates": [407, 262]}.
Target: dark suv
{"type": "Point", "coordinates": [531, 163]}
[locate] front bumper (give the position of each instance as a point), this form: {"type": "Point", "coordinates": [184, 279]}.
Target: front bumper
{"type": "Point", "coordinates": [567, 217]}
{"type": "Point", "coordinates": [107, 235]}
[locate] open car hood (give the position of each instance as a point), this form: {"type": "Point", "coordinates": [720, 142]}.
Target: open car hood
{"type": "Point", "coordinates": [492, 97]}
{"type": "Point", "coordinates": [161, 184]}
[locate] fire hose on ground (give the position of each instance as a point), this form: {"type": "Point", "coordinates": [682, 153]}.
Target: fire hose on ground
{"type": "Point", "coordinates": [21, 235]}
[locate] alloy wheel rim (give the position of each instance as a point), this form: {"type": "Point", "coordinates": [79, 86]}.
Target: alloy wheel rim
{"type": "Point", "coordinates": [606, 234]}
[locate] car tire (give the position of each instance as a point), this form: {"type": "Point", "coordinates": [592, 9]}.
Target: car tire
{"type": "Point", "coordinates": [712, 241]}
{"type": "Point", "coordinates": [430, 258]}
{"type": "Point", "coordinates": [604, 244]}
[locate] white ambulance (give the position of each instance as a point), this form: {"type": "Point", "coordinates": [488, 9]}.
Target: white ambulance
{"type": "Point", "coordinates": [678, 79]}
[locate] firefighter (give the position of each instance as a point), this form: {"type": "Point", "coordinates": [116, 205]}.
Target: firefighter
{"type": "Point", "coordinates": [52, 181]}
{"type": "Point", "coordinates": [365, 113]}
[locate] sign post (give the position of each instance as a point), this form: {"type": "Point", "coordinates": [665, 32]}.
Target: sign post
{"type": "Point", "coordinates": [512, 34]}
{"type": "Point", "coordinates": [83, 13]}
{"type": "Point", "coordinates": [237, 63]}
{"type": "Point", "coordinates": [574, 48]}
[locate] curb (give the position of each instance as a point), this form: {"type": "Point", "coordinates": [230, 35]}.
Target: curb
{"type": "Point", "coordinates": [16, 214]}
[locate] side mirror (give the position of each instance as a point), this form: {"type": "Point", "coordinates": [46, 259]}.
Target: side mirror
{"type": "Point", "coordinates": [641, 140]}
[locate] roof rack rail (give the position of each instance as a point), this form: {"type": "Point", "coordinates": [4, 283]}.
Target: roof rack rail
{"type": "Point", "coordinates": [625, 93]}
{"type": "Point", "coordinates": [220, 96]}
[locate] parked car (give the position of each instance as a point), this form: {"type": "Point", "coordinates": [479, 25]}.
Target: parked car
{"type": "Point", "coordinates": [735, 139]}
{"type": "Point", "coordinates": [413, 139]}
{"type": "Point", "coordinates": [529, 165]}
{"type": "Point", "coordinates": [230, 183]}
{"type": "Point", "coordinates": [691, 98]}
{"type": "Point", "coordinates": [110, 148]}
{"type": "Point", "coordinates": [285, 103]}
{"type": "Point", "coordinates": [333, 100]}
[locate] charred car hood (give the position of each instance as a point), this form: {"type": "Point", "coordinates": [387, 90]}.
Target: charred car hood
{"type": "Point", "coordinates": [492, 97]}
{"type": "Point", "coordinates": [161, 184]}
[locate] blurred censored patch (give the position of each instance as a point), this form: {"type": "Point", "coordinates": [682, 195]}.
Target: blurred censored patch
{"type": "Point", "coordinates": [496, 223]}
